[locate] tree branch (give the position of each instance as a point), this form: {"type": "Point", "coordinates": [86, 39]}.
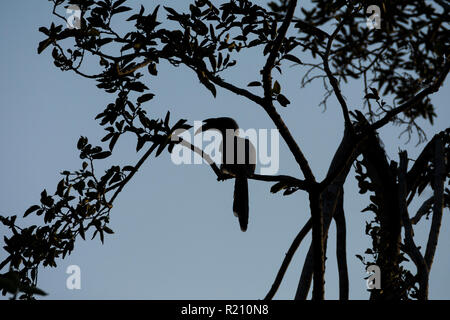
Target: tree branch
{"type": "Point", "coordinates": [412, 250]}
{"type": "Point", "coordinates": [334, 83]}
{"type": "Point", "coordinates": [291, 181]}
{"type": "Point", "coordinates": [132, 173]}
{"type": "Point", "coordinates": [318, 245]}
{"type": "Point", "coordinates": [432, 88]}
{"type": "Point", "coordinates": [438, 186]}
{"type": "Point", "coordinates": [287, 259]}
{"type": "Point", "coordinates": [424, 208]}
{"type": "Point", "coordinates": [239, 91]}
{"type": "Point", "coordinates": [341, 248]}
{"type": "Point", "coordinates": [344, 156]}
{"type": "Point", "coordinates": [268, 102]}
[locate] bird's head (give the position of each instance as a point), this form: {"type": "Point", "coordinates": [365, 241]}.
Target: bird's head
{"type": "Point", "coordinates": [220, 124]}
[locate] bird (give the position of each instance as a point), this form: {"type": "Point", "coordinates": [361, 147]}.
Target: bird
{"type": "Point", "coordinates": [238, 160]}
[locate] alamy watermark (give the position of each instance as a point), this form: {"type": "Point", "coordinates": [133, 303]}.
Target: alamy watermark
{"type": "Point", "coordinates": [73, 282]}
{"type": "Point", "coordinates": [374, 279]}
{"type": "Point", "coordinates": [256, 152]}
{"type": "Point", "coordinates": [73, 17]}
{"type": "Point", "coordinates": [374, 21]}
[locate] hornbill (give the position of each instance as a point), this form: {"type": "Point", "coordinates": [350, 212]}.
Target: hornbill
{"type": "Point", "coordinates": [238, 160]}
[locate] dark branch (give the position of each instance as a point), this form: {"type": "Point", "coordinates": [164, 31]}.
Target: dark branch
{"type": "Point", "coordinates": [411, 248]}
{"type": "Point", "coordinates": [287, 259]}
{"type": "Point", "coordinates": [341, 248]}
{"type": "Point", "coordinates": [334, 83]}
{"type": "Point", "coordinates": [438, 186]}
{"type": "Point", "coordinates": [432, 88]}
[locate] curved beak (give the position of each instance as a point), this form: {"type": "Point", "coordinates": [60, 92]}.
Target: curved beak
{"type": "Point", "coordinates": [207, 125]}
{"type": "Point", "coordinates": [201, 129]}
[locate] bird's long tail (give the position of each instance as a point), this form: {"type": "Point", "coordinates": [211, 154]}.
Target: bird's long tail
{"type": "Point", "coordinates": [240, 204]}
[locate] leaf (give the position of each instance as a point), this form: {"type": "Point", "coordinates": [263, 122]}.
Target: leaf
{"type": "Point", "coordinates": [128, 168]}
{"type": "Point", "coordinates": [167, 118]}
{"type": "Point", "coordinates": [44, 30]}
{"type": "Point", "coordinates": [116, 178]}
{"type": "Point", "coordinates": [60, 188]}
{"type": "Point", "coordinates": [292, 58]}
{"type": "Point", "coordinates": [137, 86]}
{"type": "Point", "coordinates": [283, 100]}
{"type": "Point", "coordinates": [162, 146]}
{"type": "Point", "coordinates": [43, 45]}
{"type": "Point", "coordinates": [31, 210]}
{"type": "Point", "coordinates": [121, 9]}
{"type": "Point", "coordinates": [140, 143]}
{"type": "Point", "coordinates": [171, 11]}
{"type": "Point", "coordinates": [375, 92]}
{"type": "Point", "coordinates": [276, 88]}
{"type": "Point", "coordinates": [113, 141]}
{"type": "Point", "coordinates": [32, 290]}
{"type": "Point", "coordinates": [81, 230]}
{"type": "Point", "coordinates": [371, 96]}
{"type": "Point", "coordinates": [8, 284]}
{"type": "Point", "coordinates": [254, 84]}
{"type": "Point", "coordinates": [118, 3]}
{"type": "Point", "coordinates": [101, 155]}
{"type": "Point", "coordinates": [102, 236]}
{"type": "Point", "coordinates": [213, 61]}
{"type": "Point", "coordinates": [107, 137]}
{"type": "Point", "coordinates": [152, 69]}
{"type": "Point", "coordinates": [81, 143]}
{"type": "Point", "coordinates": [108, 230]}
{"type": "Point", "coordinates": [5, 262]}
{"type": "Point", "coordinates": [145, 97]}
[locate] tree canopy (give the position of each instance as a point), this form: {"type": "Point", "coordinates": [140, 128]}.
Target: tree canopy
{"type": "Point", "coordinates": [400, 65]}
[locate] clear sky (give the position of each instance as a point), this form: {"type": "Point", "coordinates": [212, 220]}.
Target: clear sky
{"type": "Point", "coordinates": [175, 233]}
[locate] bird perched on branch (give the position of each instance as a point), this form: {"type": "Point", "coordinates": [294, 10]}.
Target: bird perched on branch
{"type": "Point", "coordinates": [238, 160]}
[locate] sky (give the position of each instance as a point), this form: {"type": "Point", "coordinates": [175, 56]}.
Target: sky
{"type": "Point", "coordinates": [175, 233]}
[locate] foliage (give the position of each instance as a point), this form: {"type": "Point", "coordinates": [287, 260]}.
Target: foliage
{"type": "Point", "coordinates": [405, 60]}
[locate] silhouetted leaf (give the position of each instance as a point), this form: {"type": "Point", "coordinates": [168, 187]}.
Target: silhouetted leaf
{"type": "Point", "coordinates": [254, 84]}
{"type": "Point", "coordinates": [101, 155]}
{"type": "Point", "coordinates": [145, 97]}
{"type": "Point", "coordinates": [121, 9]}
{"type": "Point", "coordinates": [292, 58]}
{"type": "Point", "coordinates": [43, 45]}
{"type": "Point", "coordinates": [371, 96]}
{"type": "Point", "coordinates": [152, 69]}
{"type": "Point", "coordinates": [276, 88]}
{"type": "Point", "coordinates": [31, 210]}
{"type": "Point", "coordinates": [137, 86]}
{"type": "Point", "coordinates": [283, 100]}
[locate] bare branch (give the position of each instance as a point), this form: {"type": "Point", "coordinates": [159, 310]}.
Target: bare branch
{"type": "Point", "coordinates": [334, 83]}
{"type": "Point", "coordinates": [287, 259]}
{"type": "Point", "coordinates": [239, 91]}
{"type": "Point", "coordinates": [132, 173]}
{"type": "Point", "coordinates": [267, 71]}
{"type": "Point", "coordinates": [341, 248]}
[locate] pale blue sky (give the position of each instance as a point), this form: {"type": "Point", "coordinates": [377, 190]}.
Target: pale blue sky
{"type": "Point", "coordinates": [175, 233]}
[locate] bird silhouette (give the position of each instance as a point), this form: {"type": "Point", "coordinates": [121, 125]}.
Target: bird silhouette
{"type": "Point", "coordinates": [238, 160]}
